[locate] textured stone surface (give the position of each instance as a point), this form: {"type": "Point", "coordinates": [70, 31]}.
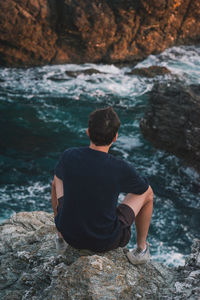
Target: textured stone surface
{"type": "Point", "coordinates": [172, 120]}
{"type": "Point", "coordinates": [30, 268]}
{"type": "Point", "coordinates": [149, 72]}
{"type": "Point", "coordinates": [38, 32]}
{"type": "Point", "coordinates": [187, 285]}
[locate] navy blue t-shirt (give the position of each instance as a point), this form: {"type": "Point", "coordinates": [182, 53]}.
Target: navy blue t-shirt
{"type": "Point", "coordinates": [92, 182]}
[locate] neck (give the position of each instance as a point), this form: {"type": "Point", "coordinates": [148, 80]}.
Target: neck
{"type": "Point", "coordinates": [100, 148]}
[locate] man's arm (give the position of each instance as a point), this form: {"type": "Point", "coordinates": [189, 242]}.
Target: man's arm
{"type": "Point", "coordinates": [56, 193]}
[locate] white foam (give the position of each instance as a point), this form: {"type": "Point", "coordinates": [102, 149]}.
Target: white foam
{"type": "Point", "coordinates": [183, 61]}
{"type": "Point", "coordinates": [128, 142]}
{"type": "Point", "coordinates": [170, 258]}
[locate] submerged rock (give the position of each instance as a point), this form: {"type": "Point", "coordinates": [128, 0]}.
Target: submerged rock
{"type": "Point", "coordinates": [37, 32]}
{"type": "Point", "coordinates": [32, 269]}
{"type": "Point", "coordinates": [150, 71]}
{"type": "Point", "coordinates": [172, 120]}
{"type": "Point", "coordinates": [85, 72]}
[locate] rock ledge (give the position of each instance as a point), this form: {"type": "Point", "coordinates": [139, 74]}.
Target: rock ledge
{"type": "Point", "coordinates": [31, 268]}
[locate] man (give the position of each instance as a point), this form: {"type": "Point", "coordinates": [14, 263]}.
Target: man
{"type": "Point", "coordinates": [87, 184]}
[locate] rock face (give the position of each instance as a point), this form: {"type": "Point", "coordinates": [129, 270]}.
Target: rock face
{"type": "Point", "coordinates": [32, 269]}
{"type": "Point", "coordinates": [188, 284]}
{"type": "Point", "coordinates": [37, 32]}
{"type": "Point", "coordinates": [172, 120]}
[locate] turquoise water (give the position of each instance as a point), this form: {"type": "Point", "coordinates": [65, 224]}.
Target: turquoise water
{"type": "Point", "coordinates": [43, 111]}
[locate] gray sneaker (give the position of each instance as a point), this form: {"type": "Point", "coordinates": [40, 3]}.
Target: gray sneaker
{"type": "Point", "coordinates": [61, 245]}
{"type": "Point", "coordinates": [138, 257]}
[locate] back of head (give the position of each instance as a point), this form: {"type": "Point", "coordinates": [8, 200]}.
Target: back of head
{"type": "Point", "coordinates": [103, 125]}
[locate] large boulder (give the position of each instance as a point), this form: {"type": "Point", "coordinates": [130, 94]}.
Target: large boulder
{"type": "Point", "coordinates": [32, 269]}
{"type": "Point", "coordinates": [172, 120]}
{"type": "Point", "coordinates": [38, 32]}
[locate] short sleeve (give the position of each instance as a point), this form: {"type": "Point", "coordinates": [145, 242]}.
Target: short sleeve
{"type": "Point", "coordinates": [59, 169]}
{"type": "Point", "coordinates": [132, 182]}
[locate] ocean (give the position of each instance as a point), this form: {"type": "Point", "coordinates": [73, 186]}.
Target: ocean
{"type": "Point", "coordinates": [44, 110]}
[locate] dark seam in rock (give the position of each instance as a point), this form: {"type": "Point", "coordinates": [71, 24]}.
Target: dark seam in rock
{"type": "Point", "coordinates": [183, 20]}
{"type": "Point", "coordinates": [8, 285]}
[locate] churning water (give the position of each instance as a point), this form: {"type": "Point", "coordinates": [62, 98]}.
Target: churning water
{"type": "Point", "coordinates": [44, 110]}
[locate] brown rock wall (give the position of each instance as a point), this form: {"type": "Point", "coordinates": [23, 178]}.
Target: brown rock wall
{"type": "Point", "coordinates": [38, 32]}
{"type": "Point", "coordinates": [25, 35]}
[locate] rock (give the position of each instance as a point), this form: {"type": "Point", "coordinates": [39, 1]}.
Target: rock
{"type": "Point", "coordinates": [172, 120]}
{"type": "Point", "coordinates": [188, 284]}
{"type": "Point", "coordinates": [38, 32]}
{"type": "Point", "coordinates": [150, 72]}
{"type": "Point", "coordinates": [57, 79]}
{"type": "Point", "coordinates": [85, 72]}
{"type": "Point", "coordinates": [73, 74]}
{"type": "Point", "coordinates": [32, 269]}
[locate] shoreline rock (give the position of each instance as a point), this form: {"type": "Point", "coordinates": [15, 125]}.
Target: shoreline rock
{"type": "Point", "coordinates": [172, 120]}
{"type": "Point", "coordinates": [150, 72]}
{"type": "Point", "coordinates": [32, 269]}
{"type": "Point", "coordinates": [39, 32]}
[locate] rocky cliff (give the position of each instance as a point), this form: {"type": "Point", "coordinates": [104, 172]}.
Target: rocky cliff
{"type": "Point", "coordinates": [172, 120]}
{"type": "Point", "coordinates": [37, 32]}
{"type": "Point", "coordinates": [32, 269]}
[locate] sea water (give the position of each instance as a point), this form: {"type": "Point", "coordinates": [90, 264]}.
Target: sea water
{"type": "Point", "coordinates": [44, 110]}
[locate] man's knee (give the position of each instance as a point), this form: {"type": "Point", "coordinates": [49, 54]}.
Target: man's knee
{"type": "Point", "coordinates": [149, 195]}
{"type": "Point", "coordinates": [136, 202]}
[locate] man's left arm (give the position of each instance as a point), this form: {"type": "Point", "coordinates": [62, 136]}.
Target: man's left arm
{"type": "Point", "coordinates": [56, 192]}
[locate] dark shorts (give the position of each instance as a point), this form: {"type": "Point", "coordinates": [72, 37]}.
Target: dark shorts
{"type": "Point", "coordinates": [126, 217]}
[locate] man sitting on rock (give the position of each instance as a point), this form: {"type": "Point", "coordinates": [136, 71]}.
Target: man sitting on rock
{"type": "Point", "coordinates": [85, 192]}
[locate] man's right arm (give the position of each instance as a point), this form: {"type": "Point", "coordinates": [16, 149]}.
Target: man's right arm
{"type": "Point", "coordinates": [58, 187]}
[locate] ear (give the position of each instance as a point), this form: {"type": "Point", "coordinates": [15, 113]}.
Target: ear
{"type": "Point", "coordinates": [115, 138]}
{"type": "Point", "coordinates": [88, 132]}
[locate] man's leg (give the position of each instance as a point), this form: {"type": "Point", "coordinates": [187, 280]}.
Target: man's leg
{"type": "Point", "coordinates": [142, 205]}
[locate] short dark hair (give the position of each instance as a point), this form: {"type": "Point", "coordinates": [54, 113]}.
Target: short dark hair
{"type": "Point", "coordinates": [103, 124]}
